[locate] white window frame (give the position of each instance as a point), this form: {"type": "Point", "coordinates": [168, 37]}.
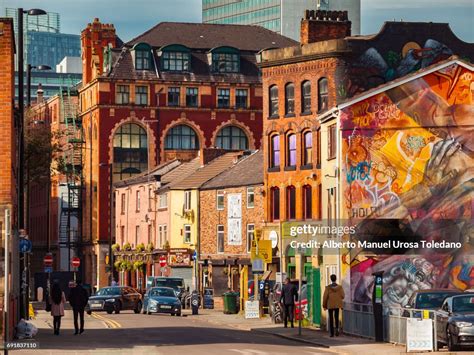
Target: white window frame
{"type": "Point", "coordinates": [137, 202]}
{"type": "Point", "coordinates": [150, 199]}
{"type": "Point", "coordinates": [160, 237]}
{"type": "Point", "coordinates": [250, 234]}
{"type": "Point", "coordinates": [165, 234]}
{"type": "Point", "coordinates": [122, 203]}
{"type": "Point", "coordinates": [218, 234]}
{"type": "Point", "coordinates": [163, 200]}
{"type": "Point", "coordinates": [187, 200]}
{"type": "Point", "coordinates": [187, 231]}
{"type": "Point", "coordinates": [137, 235]}
{"type": "Point", "coordinates": [252, 189]}
{"type": "Point", "coordinates": [220, 193]}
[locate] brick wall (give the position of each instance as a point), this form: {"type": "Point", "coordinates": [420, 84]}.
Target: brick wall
{"type": "Point", "coordinates": [324, 25]}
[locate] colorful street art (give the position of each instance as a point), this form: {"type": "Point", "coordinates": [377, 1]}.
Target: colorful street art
{"type": "Point", "coordinates": [409, 157]}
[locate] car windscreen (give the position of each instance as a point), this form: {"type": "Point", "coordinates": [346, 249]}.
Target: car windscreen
{"type": "Point", "coordinates": [173, 283]}
{"type": "Point", "coordinates": [463, 304]}
{"type": "Point", "coordinates": [431, 300]}
{"type": "Point", "coordinates": [109, 291]}
{"type": "Point", "coordinates": [161, 292]}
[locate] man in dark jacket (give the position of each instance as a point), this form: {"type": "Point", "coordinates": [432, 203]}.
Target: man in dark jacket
{"type": "Point", "coordinates": [78, 298]}
{"type": "Point", "coordinates": [288, 296]}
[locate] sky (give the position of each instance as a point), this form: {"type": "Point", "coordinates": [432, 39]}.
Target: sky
{"type": "Point", "coordinates": [133, 17]}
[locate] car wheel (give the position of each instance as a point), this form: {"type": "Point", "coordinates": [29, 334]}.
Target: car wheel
{"type": "Point", "coordinates": [138, 307]}
{"type": "Point", "coordinates": [172, 314]}
{"type": "Point", "coordinates": [143, 310]}
{"type": "Point", "coordinates": [89, 312]}
{"type": "Point", "coordinates": [109, 311]}
{"type": "Point", "coordinates": [451, 345]}
{"type": "Point", "coordinates": [178, 314]}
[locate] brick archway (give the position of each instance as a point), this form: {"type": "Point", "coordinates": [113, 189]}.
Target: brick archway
{"type": "Point", "coordinates": [242, 126]}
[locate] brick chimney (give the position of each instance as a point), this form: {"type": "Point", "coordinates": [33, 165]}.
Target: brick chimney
{"type": "Point", "coordinates": [39, 94]}
{"type": "Point", "coordinates": [94, 39]}
{"type": "Point", "coordinates": [322, 25]}
{"type": "Point", "coordinates": [208, 154]}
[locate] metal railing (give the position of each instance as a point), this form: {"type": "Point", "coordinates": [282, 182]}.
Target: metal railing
{"type": "Point", "coordinates": [358, 319]}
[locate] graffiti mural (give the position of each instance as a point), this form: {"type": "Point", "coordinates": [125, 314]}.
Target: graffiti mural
{"type": "Point", "coordinates": [409, 159]}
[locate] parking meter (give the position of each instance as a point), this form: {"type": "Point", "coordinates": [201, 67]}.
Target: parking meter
{"type": "Point", "coordinates": [195, 302]}
{"type": "Point", "coordinates": [377, 302]}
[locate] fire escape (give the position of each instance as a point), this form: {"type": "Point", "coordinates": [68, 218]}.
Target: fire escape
{"type": "Point", "coordinates": [70, 221]}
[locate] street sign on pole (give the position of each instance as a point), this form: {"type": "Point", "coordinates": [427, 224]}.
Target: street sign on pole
{"type": "Point", "coordinates": [48, 269]}
{"type": "Point", "coordinates": [48, 260]}
{"type": "Point", "coordinates": [163, 261]}
{"type": "Point", "coordinates": [25, 245]}
{"type": "Point", "coordinates": [75, 262]}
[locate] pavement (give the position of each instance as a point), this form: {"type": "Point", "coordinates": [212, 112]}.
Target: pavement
{"type": "Point", "coordinates": [210, 332]}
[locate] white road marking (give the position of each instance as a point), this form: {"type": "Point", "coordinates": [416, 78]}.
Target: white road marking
{"type": "Point", "coordinates": [249, 352]}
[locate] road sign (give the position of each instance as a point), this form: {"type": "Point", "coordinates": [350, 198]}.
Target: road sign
{"type": "Point", "coordinates": [195, 255]}
{"type": "Point", "coordinates": [25, 245]}
{"type": "Point", "coordinates": [75, 262]}
{"type": "Point", "coordinates": [48, 269]}
{"type": "Point", "coordinates": [252, 309]}
{"type": "Point", "coordinates": [163, 261]}
{"type": "Point", "coordinates": [419, 334]}
{"type": "Point", "coordinates": [48, 260]}
{"type": "Point", "coordinates": [264, 251]}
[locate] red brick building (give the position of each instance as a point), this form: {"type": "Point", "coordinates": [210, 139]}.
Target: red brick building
{"type": "Point", "coordinates": [8, 183]}
{"type": "Point", "coordinates": [174, 89]}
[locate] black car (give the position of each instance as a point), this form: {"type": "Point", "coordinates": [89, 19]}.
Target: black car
{"type": "Point", "coordinates": [115, 299]}
{"type": "Point", "coordinates": [455, 321]}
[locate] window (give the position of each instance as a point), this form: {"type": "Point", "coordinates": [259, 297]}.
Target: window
{"type": "Point", "coordinates": [122, 97]}
{"type": "Point", "coordinates": [225, 62]}
{"type": "Point", "coordinates": [220, 238]}
{"type": "Point", "coordinates": [289, 99]}
{"type": "Point", "coordinates": [137, 235]}
{"type": "Point", "coordinates": [322, 94]}
{"type": "Point", "coordinates": [187, 233]}
{"type": "Point", "coordinates": [181, 137]}
{"type": "Point", "coordinates": [122, 235]}
{"type": "Point", "coordinates": [175, 61]}
{"type": "Point", "coordinates": [306, 97]}
{"type": "Point", "coordinates": [141, 95]}
{"type": "Point", "coordinates": [122, 204]}
{"type": "Point", "coordinates": [149, 234]}
{"type": "Point", "coordinates": [250, 231]}
{"type": "Point", "coordinates": [130, 151]}
{"type": "Point", "coordinates": [275, 151]}
{"type": "Point", "coordinates": [307, 148]}
{"type": "Point", "coordinates": [173, 96]}
{"type": "Point", "coordinates": [165, 234]}
{"type": "Point", "coordinates": [150, 199]}
{"type": "Point", "coordinates": [232, 138]}
{"type": "Point", "coordinates": [291, 150]}
{"type": "Point", "coordinates": [273, 93]}
{"type": "Point", "coordinates": [191, 97]}
{"type": "Point", "coordinates": [223, 98]}
{"type": "Point", "coordinates": [220, 200]}
{"type": "Point", "coordinates": [241, 98]}
{"type": "Point", "coordinates": [290, 202]}
{"type": "Point", "coordinates": [307, 202]}
{"type": "Point", "coordinates": [142, 59]}
{"type": "Point", "coordinates": [159, 243]}
{"type": "Point", "coordinates": [332, 141]}
{"type": "Point", "coordinates": [250, 197]}
{"type": "Point", "coordinates": [163, 201]}
{"type": "Point", "coordinates": [275, 203]}
{"type": "Point", "coordinates": [138, 201]}
{"type": "Point", "coordinates": [187, 200]}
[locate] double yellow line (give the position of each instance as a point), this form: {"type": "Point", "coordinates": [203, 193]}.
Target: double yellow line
{"type": "Point", "coordinates": [109, 322]}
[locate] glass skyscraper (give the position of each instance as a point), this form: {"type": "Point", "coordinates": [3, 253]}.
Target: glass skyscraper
{"type": "Point", "coordinates": [281, 16]}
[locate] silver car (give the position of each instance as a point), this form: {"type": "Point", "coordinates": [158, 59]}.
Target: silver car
{"type": "Point", "coordinates": [455, 321]}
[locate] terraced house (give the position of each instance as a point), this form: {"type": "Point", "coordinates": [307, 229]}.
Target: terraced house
{"type": "Point", "coordinates": [165, 94]}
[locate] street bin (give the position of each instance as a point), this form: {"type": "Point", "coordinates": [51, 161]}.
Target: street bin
{"type": "Point", "coordinates": [195, 302]}
{"type": "Point", "coordinates": [230, 302]}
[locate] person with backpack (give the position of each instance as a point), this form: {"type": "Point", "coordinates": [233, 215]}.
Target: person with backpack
{"type": "Point", "coordinates": [57, 300]}
{"type": "Point", "coordinates": [78, 299]}
{"type": "Point", "coordinates": [332, 301]}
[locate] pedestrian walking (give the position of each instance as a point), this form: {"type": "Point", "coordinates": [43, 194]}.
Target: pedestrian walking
{"type": "Point", "coordinates": [78, 298]}
{"type": "Point", "coordinates": [287, 298]}
{"type": "Point", "coordinates": [332, 301]}
{"type": "Point", "coordinates": [57, 300]}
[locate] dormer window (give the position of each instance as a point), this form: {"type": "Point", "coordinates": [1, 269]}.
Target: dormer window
{"type": "Point", "coordinates": [142, 55]}
{"type": "Point", "coordinates": [175, 58]}
{"type": "Point", "coordinates": [225, 60]}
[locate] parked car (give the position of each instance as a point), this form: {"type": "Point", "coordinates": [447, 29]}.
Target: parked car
{"type": "Point", "coordinates": [455, 321]}
{"type": "Point", "coordinates": [161, 300]}
{"type": "Point", "coordinates": [115, 299]}
{"type": "Point", "coordinates": [427, 300]}
{"type": "Point", "coordinates": [176, 283]}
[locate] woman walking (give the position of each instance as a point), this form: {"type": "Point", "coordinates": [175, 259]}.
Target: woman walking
{"type": "Point", "coordinates": [57, 300]}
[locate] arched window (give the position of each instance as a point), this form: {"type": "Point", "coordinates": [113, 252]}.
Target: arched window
{"type": "Point", "coordinates": [275, 203]}
{"type": "Point", "coordinates": [290, 202]}
{"type": "Point", "coordinates": [130, 151]}
{"type": "Point", "coordinates": [275, 151]}
{"type": "Point", "coordinates": [291, 150]}
{"type": "Point", "coordinates": [307, 148]}
{"type": "Point", "coordinates": [307, 202]}
{"type": "Point", "coordinates": [232, 138]}
{"type": "Point", "coordinates": [273, 95]}
{"type": "Point", "coordinates": [225, 60]}
{"type": "Point", "coordinates": [289, 99]}
{"type": "Point", "coordinates": [142, 54]}
{"type": "Point", "coordinates": [181, 137]}
{"type": "Point", "coordinates": [323, 95]}
{"type": "Point", "coordinates": [306, 97]}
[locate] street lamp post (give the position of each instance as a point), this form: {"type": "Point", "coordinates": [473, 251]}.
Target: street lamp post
{"type": "Point", "coordinates": [28, 80]}
{"type": "Point", "coordinates": [21, 138]}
